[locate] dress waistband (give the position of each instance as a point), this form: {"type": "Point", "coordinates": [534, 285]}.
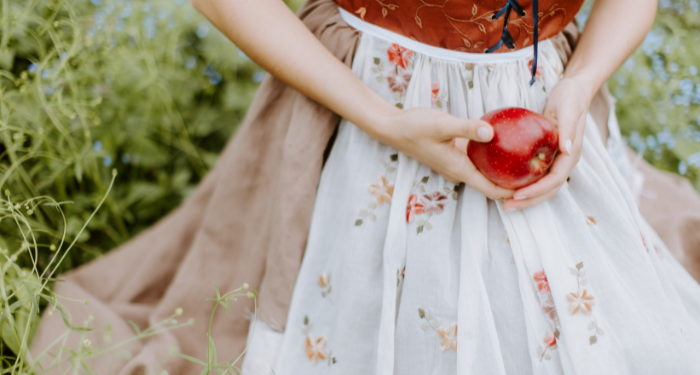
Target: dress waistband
{"type": "Point", "coordinates": [432, 51]}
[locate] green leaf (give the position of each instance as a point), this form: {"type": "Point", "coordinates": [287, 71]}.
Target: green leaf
{"type": "Point", "coordinates": [421, 313]}
{"type": "Point", "coordinates": [191, 359]}
{"type": "Point", "coordinates": [425, 179]}
{"type": "Point", "coordinates": [394, 157]}
{"type": "Point", "coordinates": [358, 222]}
{"type": "Point", "coordinates": [592, 340]}
{"type": "Point", "coordinates": [399, 105]}
{"type": "Point", "coordinates": [211, 351]}
{"type": "Point", "coordinates": [579, 265]}
{"type": "Point", "coordinates": [376, 61]}
{"type": "Point", "coordinates": [135, 327]}
{"type": "Point", "coordinates": [66, 320]}
{"type": "Point", "coordinates": [419, 229]}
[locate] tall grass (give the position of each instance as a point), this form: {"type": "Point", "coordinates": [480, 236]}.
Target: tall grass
{"type": "Point", "coordinates": [122, 105]}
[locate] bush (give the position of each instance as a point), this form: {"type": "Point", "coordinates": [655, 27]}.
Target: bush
{"type": "Point", "coordinates": [658, 91]}
{"type": "Point", "coordinates": [148, 88]}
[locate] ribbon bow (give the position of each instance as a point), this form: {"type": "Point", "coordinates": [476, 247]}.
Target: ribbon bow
{"type": "Point", "coordinates": [507, 39]}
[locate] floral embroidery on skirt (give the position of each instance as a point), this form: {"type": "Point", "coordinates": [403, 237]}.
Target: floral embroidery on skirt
{"type": "Point", "coordinates": [495, 292]}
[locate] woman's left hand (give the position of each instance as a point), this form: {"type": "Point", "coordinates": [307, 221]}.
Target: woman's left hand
{"type": "Point", "coordinates": [566, 108]}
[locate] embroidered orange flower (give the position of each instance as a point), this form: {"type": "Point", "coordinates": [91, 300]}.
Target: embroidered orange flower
{"type": "Point", "coordinates": [324, 279]}
{"type": "Point", "coordinates": [398, 79]}
{"type": "Point", "coordinates": [550, 340]}
{"type": "Point", "coordinates": [449, 337]}
{"type": "Point", "coordinates": [542, 283]}
{"type": "Point", "coordinates": [399, 55]}
{"type": "Point", "coordinates": [382, 190]}
{"type": "Point", "coordinates": [433, 203]}
{"type": "Point", "coordinates": [434, 90]}
{"type": "Point", "coordinates": [414, 207]}
{"type": "Point", "coordinates": [580, 301]}
{"type": "Point", "coordinates": [538, 73]}
{"type": "Point", "coordinates": [315, 348]}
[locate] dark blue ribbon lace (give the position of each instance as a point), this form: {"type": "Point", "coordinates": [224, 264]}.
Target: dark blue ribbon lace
{"type": "Point", "coordinates": [507, 39]}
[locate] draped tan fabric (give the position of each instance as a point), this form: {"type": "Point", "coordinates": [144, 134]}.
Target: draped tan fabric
{"type": "Point", "coordinates": [247, 222]}
{"type": "Point", "coordinates": [464, 25]}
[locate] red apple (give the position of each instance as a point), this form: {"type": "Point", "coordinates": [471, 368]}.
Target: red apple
{"type": "Point", "coordinates": [523, 148]}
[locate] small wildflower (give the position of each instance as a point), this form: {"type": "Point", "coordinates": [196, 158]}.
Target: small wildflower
{"type": "Point", "coordinates": [85, 302]}
{"type": "Point", "coordinates": [245, 286]}
{"type": "Point", "coordinates": [190, 322]}
{"type": "Point", "coordinates": [87, 344]}
{"type": "Point", "coordinates": [52, 247]}
{"type": "Point", "coordinates": [17, 206]}
{"type": "Point", "coordinates": [91, 318]}
{"type": "Point", "coordinates": [178, 311]}
{"type": "Point", "coordinates": [30, 212]}
{"type": "Point", "coordinates": [251, 294]}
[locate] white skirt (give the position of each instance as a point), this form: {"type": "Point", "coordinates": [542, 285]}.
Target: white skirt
{"type": "Point", "coordinates": [406, 273]}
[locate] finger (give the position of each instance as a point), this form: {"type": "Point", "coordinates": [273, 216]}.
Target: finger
{"type": "Point", "coordinates": [568, 127]}
{"type": "Point", "coordinates": [512, 204]}
{"type": "Point", "coordinates": [558, 173]}
{"type": "Point", "coordinates": [466, 172]}
{"type": "Point", "coordinates": [488, 188]}
{"type": "Point", "coordinates": [477, 130]}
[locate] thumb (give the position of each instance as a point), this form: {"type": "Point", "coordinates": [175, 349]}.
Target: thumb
{"type": "Point", "coordinates": [476, 130]}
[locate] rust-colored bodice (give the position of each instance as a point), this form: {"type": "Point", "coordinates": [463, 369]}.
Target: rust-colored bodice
{"type": "Point", "coordinates": [463, 25]}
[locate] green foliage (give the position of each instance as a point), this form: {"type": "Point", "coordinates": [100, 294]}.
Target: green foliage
{"type": "Point", "coordinates": [658, 91]}
{"type": "Point", "coordinates": [146, 87]}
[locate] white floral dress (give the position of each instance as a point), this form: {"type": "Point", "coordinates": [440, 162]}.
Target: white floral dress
{"type": "Point", "coordinates": [406, 273]}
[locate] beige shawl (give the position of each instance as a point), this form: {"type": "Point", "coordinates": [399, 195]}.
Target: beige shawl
{"type": "Point", "coordinates": [246, 223]}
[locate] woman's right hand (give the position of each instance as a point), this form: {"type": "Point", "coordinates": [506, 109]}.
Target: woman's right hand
{"type": "Point", "coordinates": [439, 140]}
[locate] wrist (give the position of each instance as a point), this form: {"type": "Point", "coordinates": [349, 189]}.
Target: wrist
{"type": "Point", "coordinates": [587, 84]}
{"type": "Point", "coordinates": [380, 122]}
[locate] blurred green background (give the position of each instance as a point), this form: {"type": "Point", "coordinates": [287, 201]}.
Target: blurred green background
{"type": "Point", "coordinates": [152, 89]}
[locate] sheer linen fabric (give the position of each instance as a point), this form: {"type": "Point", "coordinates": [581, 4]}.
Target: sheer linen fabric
{"type": "Point", "coordinates": [406, 273]}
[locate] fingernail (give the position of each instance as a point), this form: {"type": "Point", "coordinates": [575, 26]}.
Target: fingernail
{"type": "Point", "coordinates": [511, 209]}
{"type": "Point", "coordinates": [520, 198]}
{"type": "Point", "coordinates": [567, 146]}
{"type": "Point", "coordinates": [483, 133]}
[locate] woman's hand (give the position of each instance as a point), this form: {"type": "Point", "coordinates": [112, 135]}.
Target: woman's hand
{"type": "Point", "coordinates": [612, 33]}
{"type": "Point", "coordinates": [439, 141]}
{"type": "Point", "coordinates": [566, 108]}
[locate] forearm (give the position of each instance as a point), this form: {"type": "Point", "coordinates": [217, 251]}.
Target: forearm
{"type": "Point", "coordinates": [270, 34]}
{"type": "Point", "coordinates": [613, 31]}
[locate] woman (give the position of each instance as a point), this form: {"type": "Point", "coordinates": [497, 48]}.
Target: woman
{"type": "Point", "coordinates": [403, 266]}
